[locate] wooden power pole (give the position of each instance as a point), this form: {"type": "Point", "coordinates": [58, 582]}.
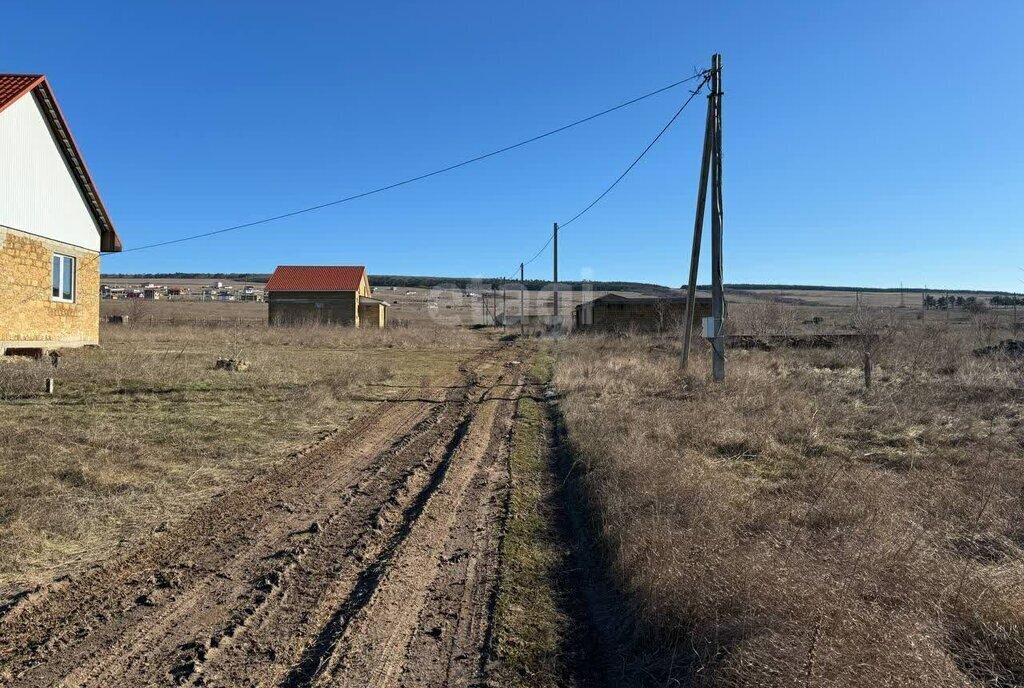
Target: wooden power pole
{"type": "Point", "coordinates": [717, 225]}
{"type": "Point", "coordinates": [711, 166]}
{"type": "Point", "coordinates": [557, 322]}
{"type": "Point", "coordinates": [698, 230]}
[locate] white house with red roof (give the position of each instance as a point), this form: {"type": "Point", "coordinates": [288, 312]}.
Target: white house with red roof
{"type": "Point", "coordinates": [323, 294]}
{"type": "Point", "coordinates": [53, 225]}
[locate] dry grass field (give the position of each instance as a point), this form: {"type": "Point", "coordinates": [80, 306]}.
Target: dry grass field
{"type": "Point", "coordinates": [790, 527]}
{"type": "Point", "coordinates": [144, 429]}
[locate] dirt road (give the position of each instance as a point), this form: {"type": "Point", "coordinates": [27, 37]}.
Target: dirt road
{"type": "Point", "coordinates": [367, 560]}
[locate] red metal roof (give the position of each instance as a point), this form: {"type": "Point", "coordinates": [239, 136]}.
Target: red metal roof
{"type": "Point", "coordinates": [13, 87]}
{"type": "Point", "coordinates": [316, 278]}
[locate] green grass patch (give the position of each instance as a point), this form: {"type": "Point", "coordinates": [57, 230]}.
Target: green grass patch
{"type": "Point", "coordinates": [529, 621]}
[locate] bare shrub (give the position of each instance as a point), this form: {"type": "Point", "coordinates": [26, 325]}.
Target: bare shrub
{"type": "Point", "coordinates": [763, 318]}
{"type": "Point", "coordinates": [22, 377]}
{"type": "Point", "coordinates": [136, 311]}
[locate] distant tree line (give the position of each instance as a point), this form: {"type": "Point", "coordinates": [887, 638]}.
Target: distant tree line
{"type": "Point", "coordinates": [971, 304]}
{"type": "Point", "coordinates": [1007, 300]}
{"type": "Point", "coordinates": [237, 276]}
{"type": "Point", "coordinates": [816, 287]}
{"type": "Point", "coordinates": [530, 284]}
{"type": "Point", "coordinates": [414, 281]}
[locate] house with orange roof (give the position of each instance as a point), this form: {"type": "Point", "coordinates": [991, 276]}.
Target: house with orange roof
{"type": "Point", "coordinates": [53, 225]}
{"type": "Point", "coordinates": [323, 295]}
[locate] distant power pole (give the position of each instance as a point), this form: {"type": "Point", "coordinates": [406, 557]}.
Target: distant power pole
{"type": "Point", "coordinates": [558, 323]}
{"type": "Point", "coordinates": [901, 294]}
{"type": "Point", "coordinates": [504, 302]}
{"type": "Point", "coordinates": [522, 299]}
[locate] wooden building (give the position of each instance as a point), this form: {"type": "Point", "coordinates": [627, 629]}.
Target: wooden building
{"type": "Point", "coordinates": [53, 225]}
{"type": "Point", "coordinates": [613, 312]}
{"type": "Point", "coordinates": [323, 294]}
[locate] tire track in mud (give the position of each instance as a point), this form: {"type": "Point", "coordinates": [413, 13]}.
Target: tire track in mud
{"type": "Point", "coordinates": [288, 580]}
{"type": "Point", "coordinates": [368, 640]}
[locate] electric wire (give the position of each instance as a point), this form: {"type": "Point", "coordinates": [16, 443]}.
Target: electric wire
{"type": "Point", "coordinates": [636, 161]}
{"type": "Point", "coordinates": [420, 177]}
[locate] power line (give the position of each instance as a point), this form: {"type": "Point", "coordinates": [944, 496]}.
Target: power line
{"type": "Point", "coordinates": [421, 177]}
{"type": "Point", "coordinates": [562, 225]}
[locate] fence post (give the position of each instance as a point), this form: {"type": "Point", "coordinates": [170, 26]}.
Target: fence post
{"type": "Point", "coordinates": [867, 370]}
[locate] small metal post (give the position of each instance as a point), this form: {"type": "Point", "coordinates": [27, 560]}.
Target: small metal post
{"type": "Point", "coordinates": [49, 385]}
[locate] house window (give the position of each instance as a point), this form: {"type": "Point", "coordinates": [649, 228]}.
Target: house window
{"type": "Point", "coordinates": [63, 278]}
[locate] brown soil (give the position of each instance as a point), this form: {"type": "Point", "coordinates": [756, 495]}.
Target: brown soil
{"type": "Point", "coordinates": [370, 559]}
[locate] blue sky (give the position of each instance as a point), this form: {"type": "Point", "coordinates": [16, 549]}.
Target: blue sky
{"type": "Point", "coordinates": [866, 143]}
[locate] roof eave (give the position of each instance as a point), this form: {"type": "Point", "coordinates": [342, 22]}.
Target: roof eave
{"type": "Point", "coordinates": [110, 242]}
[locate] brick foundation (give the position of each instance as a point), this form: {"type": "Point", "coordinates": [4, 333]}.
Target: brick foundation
{"type": "Point", "coordinates": [29, 317]}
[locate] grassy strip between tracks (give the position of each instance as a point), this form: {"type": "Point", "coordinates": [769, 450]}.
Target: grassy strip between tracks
{"type": "Point", "coordinates": [529, 617]}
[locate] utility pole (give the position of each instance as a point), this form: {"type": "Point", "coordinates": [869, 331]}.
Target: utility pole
{"type": "Point", "coordinates": [504, 303]}
{"type": "Point", "coordinates": [698, 230]}
{"type": "Point", "coordinates": [717, 223]}
{"type": "Point", "coordinates": [557, 322]}
{"type": "Point", "coordinates": [901, 294]}
{"type": "Point", "coordinates": [522, 298]}
{"type": "Point", "coordinates": [711, 165]}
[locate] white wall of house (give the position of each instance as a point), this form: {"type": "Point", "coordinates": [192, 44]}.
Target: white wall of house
{"type": "Point", "coordinates": [38, 193]}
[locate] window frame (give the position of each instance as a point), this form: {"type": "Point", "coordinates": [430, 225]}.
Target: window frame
{"type": "Point", "coordinates": [63, 261]}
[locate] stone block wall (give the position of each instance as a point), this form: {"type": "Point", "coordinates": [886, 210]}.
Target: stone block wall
{"type": "Point", "coordinates": [29, 317]}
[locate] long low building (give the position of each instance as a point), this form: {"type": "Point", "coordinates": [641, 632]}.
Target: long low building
{"type": "Point", "coordinates": [323, 295]}
{"type": "Point", "coordinates": [614, 312]}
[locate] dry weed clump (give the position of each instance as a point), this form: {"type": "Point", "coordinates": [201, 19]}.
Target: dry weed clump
{"type": "Point", "coordinates": [22, 377]}
{"type": "Point", "coordinates": [792, 528]}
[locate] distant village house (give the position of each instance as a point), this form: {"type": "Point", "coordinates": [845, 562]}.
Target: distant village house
{"type": "Point", "coordinates": [613, 312]}
{"type": "Point", "coordinates": [53, 225]}
{"type": "Point", "coordinates": [323, 294]}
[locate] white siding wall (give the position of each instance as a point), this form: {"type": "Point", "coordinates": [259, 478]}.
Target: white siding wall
{"type": "Point", "coordinates": [38, 193]}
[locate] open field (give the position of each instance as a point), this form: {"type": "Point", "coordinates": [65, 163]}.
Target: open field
{"type": "Point", "coordinates": [438, 306]}
{"type": "Point", "coordinates": [421, 505]}
{"type": "Point", "coordinates": [792, 528]}
{"type": "Point", "coordinates": [449, 306]}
